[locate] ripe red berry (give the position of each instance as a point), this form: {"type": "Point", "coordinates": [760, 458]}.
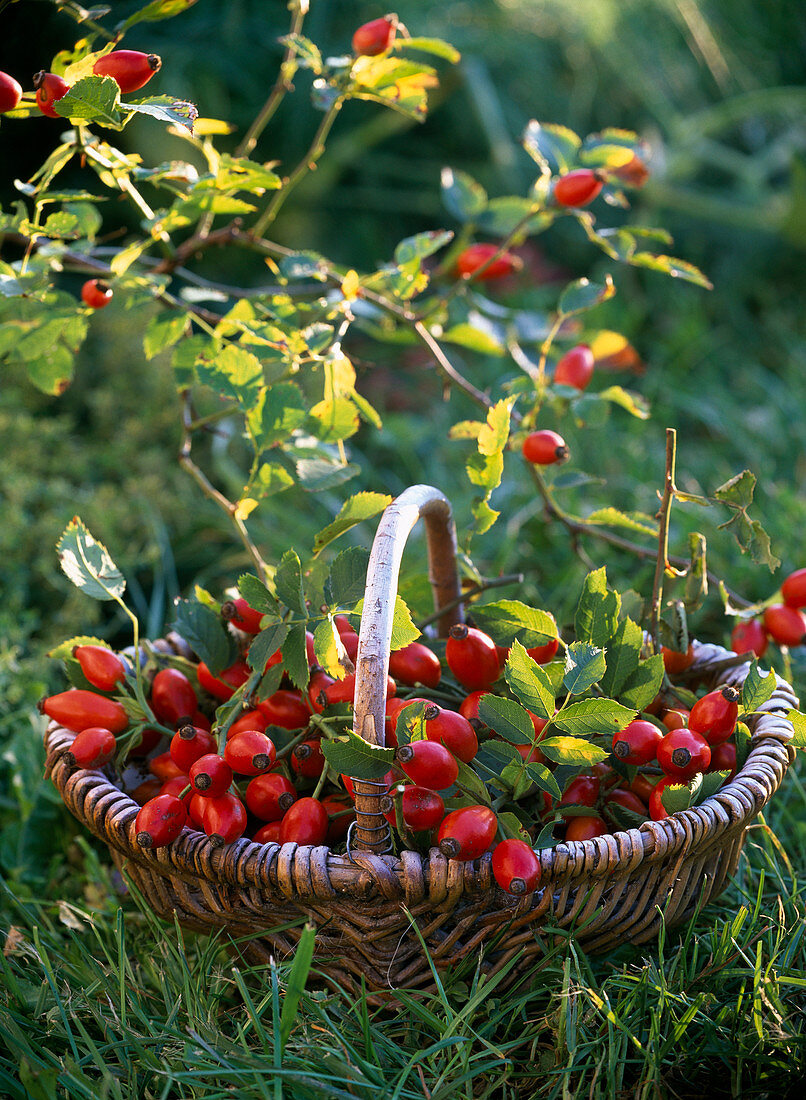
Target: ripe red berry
{"type": "Point", "coordinates": [749, 637]}
{"type": "Point", "coordinates": [475, 256]}
{"type": "Point", "coordinates": [268, 796]}
{"type": "Point", "coordinates": [452, 730]}
{"type": "Point", "coordinates": [544, 447]}
{"type": "Point", "coordinates": [268, 833]}
{"type": "Point", "coordinates": [49, 89]}
{"type": "Point", "coordinates": [472, 657]}
{"type": "Point", "coordinates": [179, 786]}
{"type": "Point", "coordinates": [93, 747]}
{"type": "Point", "coordinates": [340, 815]}
{"type": "Point", "coordinates": [249, 752]}
{"type": "Point", "coordinates": [164, 767]}
{"type": "Point", "coordinates": [286, 709]}
{"type": "Point", "coordinates": [211, 775]}
{"type": "Point", "coordinates": [375, 37]}
{"type": "Point", "coordinates": [130, 69]}
{"type": "Point", "coordinates": [467, 833]}
{"type": "Point", "coordinates": [160, 821]}
{"type": "Point", "coordinates": [189, 744]}
{"type": "Point", "coordinates": [682, 753]}
{"type": "Point", "coordinates": [306, 822]}
{"type": "Point", "coordinates": [415, 664]}
{"type": "Point", "coordinates": [577, 188]}
{"type": "Point", "coordinates": [224, 685]}
{"type": "Point", "coordinates": [173, 699]}
{"type": "Point", "coordinates": [637, 743]}
{"type": "Point", "coordinates": [634, 173]}
{"type": "Point", "coordinates": [715, 714]}
{"type": "Point", "coordinates": [642, 786]}
{"type": "Point", "coordinates": [583, 790]}
{"type": "Point", "coordinates": [10, 93]}
{"type": "Point", "coordinates": [657, 811]}
{"type": "Point", "coordinates": [586, 828]}
{"type": "Point", "coordinates": [674, 719]}
{"type": "Point", "coordinates": [575, 368]}
{"type": "Point", "coordinates": [421, 808]}
{"type": "Point", "coordinates": [428, 764]}
{"type": "Point", "coordinates": [793, 590]}
{"type": "Point", "coordinates": [723, 758]}
{"type": "Point", "coordinates": [628, 799]}
{"type": "Point", "coordinates": [77, 709]}
{"type": "Point", "coordinates": [307, 759]}
{"type": "Point", "coordinates": [224, 819]}
{"type": "Point", "coordinates": [516, 867]}
{"type": "Point", "coordinates": [786, 625]}
{"type": "Point", "coordinates": [147, 790]}
{"type": "Point", "coordinates": [675, 661]}
{"type": "Point", "coordinates": [249, 720]}
{"type": "Point", "coordinates": [102, 668]}
{"type": "Point", "coordinates": [96, 293]}
{"type": "Point", "coordinates": [240, 614]}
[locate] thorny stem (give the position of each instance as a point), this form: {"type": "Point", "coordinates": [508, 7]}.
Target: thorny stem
{"type": "Point", "coordinates": [209, 490]}
{"type": "Point", "coordinates": [283, 85]}
{"type": "Point", "coordinates": [307, 164]}
{"type": "Point", "coordinates": [662, 560]}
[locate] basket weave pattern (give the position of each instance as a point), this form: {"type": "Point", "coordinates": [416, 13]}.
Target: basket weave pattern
{"type": "Point", "coordinates": [611, 890]}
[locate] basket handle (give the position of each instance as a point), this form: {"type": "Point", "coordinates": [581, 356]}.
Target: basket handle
{"type": "Point", "coordinates": [372, 661]}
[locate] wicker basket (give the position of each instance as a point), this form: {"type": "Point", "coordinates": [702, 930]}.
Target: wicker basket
{"type": "Point", "coordinates": [608, 891]}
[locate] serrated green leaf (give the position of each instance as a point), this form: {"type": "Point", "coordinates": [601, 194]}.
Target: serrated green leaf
{"type": "Point", "coordinates": [257, 595]}
{"type": "Point", "coordinates": [462, 195]}
{"type": "Point", "coordinates": [88, 564]}
{"type": "Point", "coordinates": [743, 739]}
{"type": "Point", "coordinates": [612, 517]}
{"type": "Point", "coordinates": [506, 620]}
{"type": "Point", "coordinates": [348, 577]}
{"type": "Point", "coordinates": [93, 99]}
{"type": "Point", "coordinates": [472, 783]}
{"type": "Point", "coordinates": [288, 582]}
{"type": "Point", "coordinates": [503, 215]}
{"type": "Point", "coordinates": [280, 409]}
{"type": "Point", "coordinates": [157, 10]}
{"type": "Point", "coordinates": [352, 755]}
{"type": "Point", "coordinates": [295, 655]}
{"type": "Point", "coordinates": [798, 721]}
{"type": "Point", "coordinates": [513, 828]}
{"type": "Point", "coordinates": [178, 112]}
{"type": "Point", "coordinates": [529, 682]}
{"type": "Point", "coordinates": [358, 508]}
{"type": "Point", "coordinates": [584, 666]}
{"type": "Point", "coordinates": [676, 797]}
{"type": "Point", "coordinates": [203, 631]}
{"type": "Point", "coordinates": [494, 434]}
{"type": "Point", "coordinates": [543, 778]}
{"type": "Point", "coordinates": [572, 750]}
{"type": "Point", "coordinates": [232, 372]}
{"type": "Point", "coordinates": [319, 474]}
{"type": "Point", "coordinates": [757, 689]}
{"type": "Point", "coordinates": [709, 785]}
{"type": "Point", "coordinates": [163, 331]}
{"type": "Point", "coordinates": [644, 684]}
{"type": "Point", "coordinates": [403, 629]}
{"type": "Point", "coordinates": [623, 654]}
{"type": "Point", "coordinates": [592, 718]}
{"type": "Point", "coordinates": [480, 336]}
{"type": "Point", "coordinates": [507, 718]}
{"type": "Point", "coordinates": [596, 619]}
{"type": "Point", "coordinates": [265, 644]}
{"type": "Point", "coordinates": [738, 490]}
{"type": "Point", "coordinates": [582, 295]}
{"type": "Point", "coordinates": [485, 471]}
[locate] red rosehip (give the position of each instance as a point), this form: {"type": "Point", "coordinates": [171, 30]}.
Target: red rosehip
{"type": "Point", "coordinates": [421, 808]}
{"type": "Point", "coordinates": [452, 730]}
{"type": "Point", "coordinates": [250, 752]}
{"type": "Point", "coordinates": [467, 833]}
{"type": "Point", "coordinates": [583, 790]}
{"type": "Point", "coordinates": [101, 667]}
{"type": "Point", "coordinates": [715, 714]}
{"type": "Point", "coordinates": [211, 775]}
{"type": "Point", "coordinates": [306, 822]}
{"type": "Point", "coordinates": [415, 664]}
{"type": "Point", "coordinates": [675, 661]}
{"type": "Point", "coordinates": [586, 828]}
{"type": "Point", "coordinates": [544, 447]}
{"type": "Point", "coordinates": [793, 590]}
{"type": "Point", "coordinates": [682, 753]}
{"type": "Point", "coordinates": [628, 799]}
{"type": "Point", "coordinates": [49, 89]}
{"type": "Point", "coordinates": [240, 614]}
{"type": "Point", "coordinates": [93, 747]}
{"type": "Point", "coordinates": [475, 256]}
{"type": "Point", "coordinates": [472, 656]}
{"type": "Point", "coordinates": [577, 188]}
{"type": "Point", "coordinates": [375, 37]}
{"type": "Point", "coordinates": [164, 767]}
{"type": "Point", "coordinates": [637, 743]}
{"type": "Point", "coordinates": [723, 758]}
{"type": "Point", "coordinates": [428, 764]}
{"type": "Point", "coordinates": [188, 744]}
{"type": "Point", "coordinates": [268, 833]}
{"type": "Point", "coordinates": [130, 69]}
{"type": "Point", "coordinates": [224, 819]}
{"type": "Point", "coordinates": [307, 759]}
{"type": "Point", "coordinates": [76, 709]}
{"type": "Point", "coordinates": [285, 709]}
{"type": "Point", "coordinates": [249, 720]}
{"type": "Point", "coordinates": [575, 368]}
{"type": "Point", "coordinates": [10, 93]}
{"type": "Point", "coordinates": [160, 821]}
{"type": "Point", "coordinates": [675, 719]}
{"type": "Point", "coordinates": [224, 685]}
{"type": "Point", "coordinates": [96, 293]}
{"type": "Point", "coordinates": [749, 636]}
{"type": "Point", "coordinates": [786, 625]}
{"type": "Point", "coordinates": [268, 796]}
{"type": "Point", "coordinates": [173, 699]}
{"type": "Point", "coordinates": [516, 867]}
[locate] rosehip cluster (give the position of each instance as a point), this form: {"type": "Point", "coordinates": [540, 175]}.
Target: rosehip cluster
{"type": "Point", "coordinates": [783, 623]}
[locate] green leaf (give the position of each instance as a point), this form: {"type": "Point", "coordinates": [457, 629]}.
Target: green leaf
{"type": "Point", "coordinates": [352, 755]}
{"type": "Point", "coordinates": [597, 612]}
{"type": "Point", "coordinates": [435, 46]}
{"type": "Point", "coordinates": [358, 508]}
{"type": "Point", "coordinates": [494, 434]}
{"type": "Point", "coordinates": [612, 517]}
{"type": "Point", "coordinates": [157, 10]}
{"type": "Point", "coordinates": [93, 99]}
{"type": "Point", "coordinates": [348, 577]}
{"type": "Point", "coordinates": [592, 718]}
{"type": "Point", "coordinates": [88, 563]}
{"type": "Point", "coordinates": [472, 783]}
{"type": "Point", "coordinates": [265, 644]}
{"type": "Point", "coordinates": [329, 649]}
{"type": "Point", "coordinates": [506, 620]}
{"type": "Point", "coordinates": [623, 655]}
{"type": "Point", "coordinates": [461, 195]}
{"type": "Point", "coordinates": [676, 797]}
{"type": "Point", "coordinates": [502, 216]}
{"type": "Point", "coordinates": [288, 582]}
{"type": "Point", "coordinates": [697, 578]}
{"type": "Point", "coordinates": [403, 629]}
{"type": "Point", "coordinates": [52, 373]}
{"type": "Point", "coordinates": [485, 471]}
{"type": "Point", "coordinates": [232, 372]}
{"type": "Point", "coordinates": [738, 490]}
{"type": "Point", "coordinates": [295, 655]}
{"type": "Point", "coordinates": [572, 750]}
{"type": "Point", "coordinates": [582, 295]}
{"type": "Point", "coordinates": [279, 411]}
{"type": "Point", "coordinates": [421, 245]}
{"type": "Point", "coordinates": [709, 784]}
{"type": "Point", "coordinates": [553, 147]}
{"type": "Point", "coordinates": [678, 269]}
{"type": "Point", "coordinates": [318, 474]}
{"type": "Point", "coordinates": [643, 685]}
{"type": "Point", "coordinates": [202, 630]}
{"type": "Point", "coordinates": [743, 739]}
{"type": "Point", "coordinates": [482, 336]}
{"type": "Point", "coordinates": [633, 403]}
{"type": "Point", "coordinates": [529, 682]}
{"type": "Point", "coordinates": [295, 983]}
{"type": "Point", "coordinates": [507, 718]}
{"type": "Point", "coordinates": [757, 689]}
{"type": "Point", "coordinates": [257, 595]}
{"type": "Point", "coordinates": [584, 666]}
{"type": "Point", "coordinates": [176, 112]}
{"type": "Point", "coordinates": [798, 720]}
{"type": "Point", "coordinates": [163, 331]}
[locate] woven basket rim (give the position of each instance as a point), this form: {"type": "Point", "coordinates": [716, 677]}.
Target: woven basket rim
{"type": "Point", "coordinates": [411, 874]}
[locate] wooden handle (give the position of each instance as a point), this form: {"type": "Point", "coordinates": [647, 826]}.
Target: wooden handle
{"type": "Point", "coordinates": [371, 830]}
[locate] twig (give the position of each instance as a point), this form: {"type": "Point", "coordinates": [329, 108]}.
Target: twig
{"type": "Point", "coordinates": [469, 593]}
{"type": "Point", "coordinates": [662, 560]}
{"type": "Point", "coordinates": [197, 243]}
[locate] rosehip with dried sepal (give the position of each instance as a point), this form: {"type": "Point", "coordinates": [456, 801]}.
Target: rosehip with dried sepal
{"type": "Point", "coordinates": [96, 293]}
{"type": "Point", "coordinates": [467, 833]}
{"type": "Point", "coordinates": [92, 748]}
{"type": "Point", "coordinates": [715, 714]}
{"type": "Point", "coordinates": [250, 752]}
{"type": "Point", "coordinates": [452, 730]}
{"type": "Point", "coordinates": [130, 69]}
{"type": "Point", "coordinates": [190, 743]}
{"type": "Point", "coordinates": [160, 821]}
{"type": "Point", "coordinates": [544, 448]}
{"type": "Point", "coordinates": [101, 667]}
{"type": "Point", "coordinates": [472, 657]}
{"type": "Point", "coordinates": [307, 759]}
{"type": "Point", "coordinates": [49, 89]}
{"type": "Point", "coordinates": [428, 764]}
{"type": "Point", "coordinates": [637, 743]}
{"type": "Point", "coordinates": [224, 819]}
{"type": "Point", "coordinates": [211, 775]}
{"type": "Point", "coordinates": [516, 867]}
{"type": "Point", "coordinates": [268, 796]}
{"type": "Point", "coordinates": [682, 753]}
{"type": "Point", "coordinates": [578, 187]}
